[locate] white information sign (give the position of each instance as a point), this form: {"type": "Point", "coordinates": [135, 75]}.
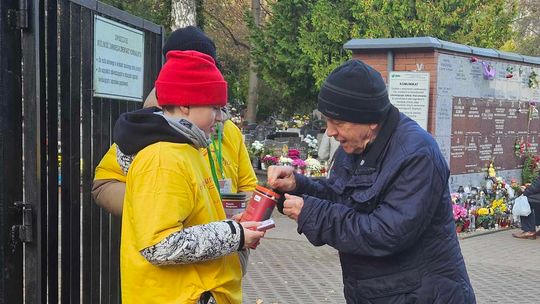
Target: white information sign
{"type": "Point", "coordinates": [409, 92]}
{"type": "Point", "coordinates": [118, 60]}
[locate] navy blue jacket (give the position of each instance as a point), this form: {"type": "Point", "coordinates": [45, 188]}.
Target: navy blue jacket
{"type": "Point", "coordinates": [534, 188]}
{"type": "Point", "coordinates": [388, 212]}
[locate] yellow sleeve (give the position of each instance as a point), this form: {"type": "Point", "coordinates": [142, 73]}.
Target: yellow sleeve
{"type": "Point", "coordinates": [158, 200]}
{"type": "Point", "coordinates": [108, 167]}
{"type": "Point", "coordinates": [247, 180]}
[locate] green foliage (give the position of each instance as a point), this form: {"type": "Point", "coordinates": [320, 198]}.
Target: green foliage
{"type": "Point", "coordinates": [157, 11]}
{"type": "Point", "coordinates": [531, 168]}
{"type": "Point", "coordinates": [301, 41]}
{"type": "Point", "coordinates": [486, 221]}
{"type": "Point", "coordinates": [236, 75]}
{"type": "Point", "coordinates": [527, 38]}
{"type": "Point", "coordinates": [281, 63]}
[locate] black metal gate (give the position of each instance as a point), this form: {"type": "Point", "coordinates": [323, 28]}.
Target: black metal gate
{"type": "Point", "coordinates": [51, 126]}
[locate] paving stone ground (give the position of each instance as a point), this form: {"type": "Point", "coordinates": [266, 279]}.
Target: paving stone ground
{"type": "Point", "coordinates": [286, 268]}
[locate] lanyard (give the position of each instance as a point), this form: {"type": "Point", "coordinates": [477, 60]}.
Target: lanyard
{"type": "Point", "coordinates": [219, 149]}
{"type": "Point", "coordinates": [213, 169]}
{"type": "Point", "coordinates": [219, 159]}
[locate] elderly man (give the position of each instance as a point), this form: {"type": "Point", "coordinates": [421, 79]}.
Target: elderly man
{"type": "Point", "coordinates": [528, 223]}
{"type": "Point", "coordinates": [386, 207]}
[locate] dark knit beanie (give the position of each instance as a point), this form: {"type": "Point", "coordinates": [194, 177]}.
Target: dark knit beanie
{"type": "Point", "coordinates": [354, 92]}
{"type": "Point", "coordinates": [190, 38]}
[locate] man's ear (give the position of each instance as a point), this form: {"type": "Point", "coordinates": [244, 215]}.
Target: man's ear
{"type": "Point", "coordinates": [373, 127]}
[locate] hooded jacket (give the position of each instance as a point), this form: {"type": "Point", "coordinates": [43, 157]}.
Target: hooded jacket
{"type": "Point", "coordinates": [176, 244]}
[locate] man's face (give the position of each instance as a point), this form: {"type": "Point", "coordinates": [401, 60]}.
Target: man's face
{"type": "Point", "coordinates": [353, 137]}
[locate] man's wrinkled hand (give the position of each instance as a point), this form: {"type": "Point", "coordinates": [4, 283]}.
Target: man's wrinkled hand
{"type": "Point", "coordinates": [293, 206]}
{"type": "Point", "coordinates": [281, 178]}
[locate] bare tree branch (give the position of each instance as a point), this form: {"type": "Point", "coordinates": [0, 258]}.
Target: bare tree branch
{"type": "Point", "coordinates": [228, 30]}
{"type": "Point", "coordinates": [266, 11]}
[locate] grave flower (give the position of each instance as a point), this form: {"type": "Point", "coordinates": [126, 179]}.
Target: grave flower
{"type": "Point", "coordinates": [285, 161]}
{"type": "Point", "coordinates": [293, 154]}
{"type": "Point", "coordinates": [312, 143]}
{"type": "Point", "coordinates": [460, 215]}
{"type": "Point", "coordinates": [270, 160]}
{"type": "Point", "coordinates": [256, 149]}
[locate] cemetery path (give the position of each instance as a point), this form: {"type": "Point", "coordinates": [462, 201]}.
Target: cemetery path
{"type": "Point", "coordinates": [287, 269]}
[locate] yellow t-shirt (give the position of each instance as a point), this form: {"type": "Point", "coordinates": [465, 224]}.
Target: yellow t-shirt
{"type": "Point", "coordinates": [169, 187]}
{"type": "Point", "coordinates": [108, 167]}
{"type": "Point", "coordinates": [235, 159]}
{"type": "Point", "coordinates": [236, 162]}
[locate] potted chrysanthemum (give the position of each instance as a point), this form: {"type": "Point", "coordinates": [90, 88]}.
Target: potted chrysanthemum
{"type": "Point", "coordinates": [460, 215]}
{"type": "Point", "coordinates": [268, 160]}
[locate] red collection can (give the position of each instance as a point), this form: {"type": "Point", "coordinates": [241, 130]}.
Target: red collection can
{"type": "Point", "coordinates": [233, 203]}
{"type": "Point", "coordinates": [261, 205]}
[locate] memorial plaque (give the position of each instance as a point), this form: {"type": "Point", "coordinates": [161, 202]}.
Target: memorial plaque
{"type": "Point", "coordinates": [471, 110]}
{"type": "Point", "coordinates": [485, 150]}
{"type": "Point", "coordinates": [534, 140]}
{"type": "Point", "coordinates": [476, 73]}
{"type": "Point", "coordinates": [457, 153]}
{"type": "Point", "coordinates": [485, 130]}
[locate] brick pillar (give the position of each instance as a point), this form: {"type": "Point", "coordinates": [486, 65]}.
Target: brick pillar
{"type": "Point", "coordinates": [407, 60]}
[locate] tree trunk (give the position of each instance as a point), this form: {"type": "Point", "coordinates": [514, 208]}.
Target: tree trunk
{"type": "Point", "coordinates": [184, 13]}
{"type": "Point", "coordinates": [253, 86]}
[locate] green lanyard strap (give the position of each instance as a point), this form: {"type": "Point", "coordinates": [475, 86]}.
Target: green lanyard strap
{"type": "Point", "coordinates": [219, 149]}
{"type": "Point", "coordinates": [219, 158]}
{"type": "Point", "coordinates": [213, 169]}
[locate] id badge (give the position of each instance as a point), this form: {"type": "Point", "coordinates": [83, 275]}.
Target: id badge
{"type": "Point", "coordinates": [225, 185]}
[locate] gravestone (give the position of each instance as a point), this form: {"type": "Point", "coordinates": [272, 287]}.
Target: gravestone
{"type": "Point", "coordinates": [261, 132]}
{"type": "Point", "coordinates": [301, 146]}
{"type": "Point", "coordinates": [275, 147]}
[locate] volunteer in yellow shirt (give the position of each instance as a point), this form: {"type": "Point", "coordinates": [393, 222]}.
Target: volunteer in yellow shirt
{"type": "Point", "coordinates": [176, 245]}
{"type": "Point", "coordinates": [109, 180]}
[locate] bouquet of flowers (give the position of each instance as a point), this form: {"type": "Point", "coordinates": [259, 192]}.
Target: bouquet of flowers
{"type": "Point", "coordinates": [281, 125]}
{"type": "Point", "coordinates": [269, 160]}
{"type": "Point", "coordinates": [298, 121]}
{"type": "Point", "coordinates": [285, 161]}
{"type": "Point", "coordinates": [312, 143]}
{"type": "Point", "coordinates": [515, 186]}
{"type": "Point", "coordinates": [299, 163]}
{"type": "Point", "coordinates": [460, 214]}
{"type": "Point", "coordinates": [498, 206]}
{"type": "Point", "coordinates": [293, 154]}
{"type": "Point", "coordinates": [531, 168]}
{"type": "Point", "coordinates": [234, 114]}
{"type": "Point", "coordinates": [256, 149]}
{"type": "Point", "coordinates": [313, 167]}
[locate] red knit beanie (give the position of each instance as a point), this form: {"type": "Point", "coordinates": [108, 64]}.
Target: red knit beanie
{"type": "Point", "coordinates": [190, 78]}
